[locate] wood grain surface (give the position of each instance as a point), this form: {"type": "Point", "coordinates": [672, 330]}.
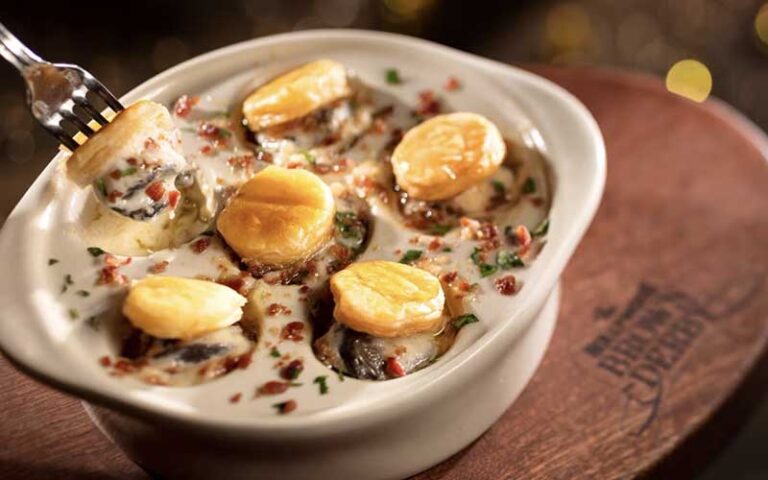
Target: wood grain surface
{"type": "Point", "coordinates": [664, 312]}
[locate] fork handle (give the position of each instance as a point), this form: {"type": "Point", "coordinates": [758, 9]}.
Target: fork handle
{"type": "Point", "coordinates": [16, 52]}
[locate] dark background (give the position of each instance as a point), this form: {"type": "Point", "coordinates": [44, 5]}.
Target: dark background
{"type": "Point", "coordinates": [124, 43]}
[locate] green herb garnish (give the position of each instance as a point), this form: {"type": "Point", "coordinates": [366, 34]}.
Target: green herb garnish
{"type": "Point", "coordinates": [129, 171]}
{"type": "Point", "coordinates": [84, 293]}
{"type": "Point", "coordinates": [73, 314]}
{"type": "Point", "coordinates": [67, 282]}
{"type": "Point", "coordinates": [499, 187]}
{"type": "Point", "coordinates": [529, 186]}
{"type": "Point", "coordinates": [309, 157]}
{"type": "Point", "coordinates": [93, 322]}
{"type": "Point", "coordinates": [95, 251]}
{"type": "Point", "coordinates": [349, 225]}
{"type": "Point", "coordinates": [487, 269]}
{"type": "Point", "coordinates": [541, 229]}
{"type": "Point", "coordinates": [274, 353]}
{"type": "Point", "coordinates": [463, 320]}
{"type": "Point", "coordinates": [322, 384]}
{"type": "Point", "coordinates": [411, 256]}
{"type": "Point", "coordinates": [100, 186]}
{"type": "Point", "coordinates": [52, 261]}
{"type": "Point", "coordinates": [393, 76]}
{"type": "Point", "coordinates": [506, 260]}
{"type": "Point", "coordinates": [447, 249]}
{"type": "Point", "coordinates": [475, 256]}
{"type": "Point", "coordinates": [340, 375]}
{"type": "Point", "coordinates": [439, 229]}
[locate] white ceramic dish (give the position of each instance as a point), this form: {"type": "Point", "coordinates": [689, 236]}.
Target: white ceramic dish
{"type": "Point", "coordinates": [369, 430]}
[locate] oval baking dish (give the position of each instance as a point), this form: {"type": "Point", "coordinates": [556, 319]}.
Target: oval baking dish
{"type": "Point", "coordinates": [343, 427]}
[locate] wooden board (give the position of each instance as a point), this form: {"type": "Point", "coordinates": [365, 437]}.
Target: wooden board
{"type": "Point", "coordinates": [664, 312]}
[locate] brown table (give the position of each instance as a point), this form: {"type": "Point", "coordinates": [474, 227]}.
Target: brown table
{"type": "Point", "coordinates": [664, 315]}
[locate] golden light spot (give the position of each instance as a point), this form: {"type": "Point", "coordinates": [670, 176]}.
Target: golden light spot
{"type": "Point", "coordinates": [761, 24]}
{"type": "Point", "coordinates": [568, 27]}
{"type": "Point", "coordinates": [408, 9]}
{"type": "Point", "coordinates": [690, 79]}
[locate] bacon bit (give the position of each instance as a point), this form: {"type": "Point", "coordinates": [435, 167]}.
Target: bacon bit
{"type": "Point", "coordinates": [322, 169]}
{"type": "Point", "coordinates": [428, 103]}
{"type": "Point", "coordinates": [469, 228]}
{"type": "Point", "coordinates": [304, 289]}
{"type": "Point", "coordinates": [112, 261]}
{"type": "Point", "coordinates": [286, 407]}
{"type": "Point", "coordinates": [124, 366]}
{"type": "Point", "coordinates": [449, 277]}
{"type": "Point", "coordinates": [114, 195]}
{"type": "Point", "coordinates": [394, 369]}
{"type": "Point", "coordinates": [201, 244]}
{"type": "Point", "coordinates": [184, 105]}
{"type": "Point", "coordinates": [206, 150]}
{"type": "Point", "coordinates": [487, 231]}
{"type": "Point", "coordinates": [276, 308]}
{"type": "Point", "coordinates": [132, 161]}
{"type": "Point", "coordinates": [155, 191]}
{"type": "Point", "coordinates": [292, 370]}
{"type": "Point", "coordinates": [293, 331]}
{"type": "Point", "coordinates": [244, 360]}
{"type": "Point", "coordinates": [379, 126]}
{"type": "Point", "coordinates": [434, 244]}
{"type": "Point", "coordinates": [341, 252]}
{"type": "Point", "coordinates": [506, 285]}
{"type": "Point", "coordinates": [242, 161]}
{"type": "Point", "coordinates": [272, 388]}
{"type": "Point", "coordinates": [105, 361]}
{"type": "Point", "coordinates": [209, 131]}
{"type": "Point", "coordinates": [159, 267]}
{"type": "Point", "coordinates": [110, 276]}
{"type": "Point", "coordinates": [464, 286]}
{"type": "Point", "coordinates": [523, 238]}
{"type": "Point", "coordinates": [150, 143]}
{"type": "Point", "coordinates": [173, 198]}
{"type": "Point", "coordinates": [235, 398]}
{"type": "Point", "coordinates": [116, 174]}
{"type": "Point", "coordinates": [452, 84]}
{"type": "Point", "coordinates": [536, 201]}
{"type": "Point", "coordinates": [235, 283]}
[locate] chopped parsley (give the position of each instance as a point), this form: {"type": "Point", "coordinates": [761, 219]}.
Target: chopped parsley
{"type": "Point", "coordinates": [93, 322]}
{"type": "Point", "coordinates": [439, 229]}
{"type": "Point", "coordinates": [73, 314]}
{"type": "Point", "coordinates": [52, 261]}
{"type": "Point", "coordinates": [541, 229]}
{"type": "Point", "coordinates": [499, 187]}
{"type": "Point", "coordinates": [67, 282]}
{"type": "Point", "coordinates": [393, 76]}
{"type": "Point", "coordinates": [129, 171]}
{"type": "Point", "coordinates": [84, 293]}
{"type": "Point", "coordinates": [506, 260]}
{"type": "Point", "coordinates": [309, 157]}
{"type": "Point", "coordinates": [447, 249]}
{"type": "Point", "coordinates": [411, 256]}
{"type": "Point", "coordinates": [100, 186]}
{"type": "Point", "coordinates": [321, 382]}
{"type": "Point", "coordinates": [95, 251]}
{"type": "Point", "coordinates": [349, 226]}
{"type": "Point", "coordinates": [274, 353]}
{"type": "Point", "coordinates": [340, 375]}
{"type": "Point", "coordinates": [463, 320]}
{"type": "Point", "coordinates": [529, 186]}
{"type": "Point", "coordinates": [486, 269]}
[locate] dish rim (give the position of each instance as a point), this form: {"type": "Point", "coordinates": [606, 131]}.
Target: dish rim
{"type": "Point", "coordinates": [484, 350]}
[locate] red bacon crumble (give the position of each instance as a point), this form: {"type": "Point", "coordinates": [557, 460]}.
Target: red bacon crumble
{"type": "Point", "coordinates": [105, 361]}
{"type": "Point", "coordinates": [394, 369]}
{"type": "Point", "coordinates": [273, 388]}
{"type": "Point", "coordinates": [209, 131]}
{"type": "Point", "coordinates": [206, 150]}
{"type": "Point", "coordinates": [242, 161]}
{"type": "Point", "coordinates": [293, 331]}
{"type": "Point", "coordinates": [235, 398]}
{"type": "Point", "coordinates": [428, 103]}
{"type": "Point", "coordinates": [124, 366]}
{"type": "Point", "coordinates": [434, 244]}
{"type": "Point", "coordinates": [286, 407]}
{"type": "Point", "coordinates": [116, 174]}
{"type": "Point", "coordinates": [292, 370]}
{"type": "Point", "coordinates": [155, 191]}
{"type": "Point", "coordinates": [173, 198]}
{"type": "Point", "coordinates": [276, 308]}
{"type": "Point", "coordinates": [114, 195]}
{"type": "Point", "coordinates": [200, 245]}
{"type": "Point", "coordinates": [506, 285]}
{"type": "Point", "coordinates": [184, 105]}
{"type": "Point", "coordinates": [523, 238]}
{"type": "Point", "coordinates": [159, 267]}
{"type": "Point", "coordinates": [452, 84]}
{"type": "Point", "coordinates": [132, 161]}
{"type": "Point", "coordinates": [449, 277]}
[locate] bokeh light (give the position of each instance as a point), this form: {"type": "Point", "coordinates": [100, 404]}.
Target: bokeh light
{"type": "Point", "coordinates": [568, 27]}
{"type": "Point", "coordinates": [690, 79]}
{"type": "Point", "coordinates": [761, 24]}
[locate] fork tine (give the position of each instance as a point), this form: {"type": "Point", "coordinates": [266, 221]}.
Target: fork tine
{"type": "Point", "coordinates": [62, 136]}
{"type": "Point", "coordinates": [98, 88]}
{"type": "Point", "coordinates": [92, 112]}
{"type": "Point", "coordinates": [69, 115]}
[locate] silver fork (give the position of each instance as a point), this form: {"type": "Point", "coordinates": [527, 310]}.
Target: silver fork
{"type": "Point", "coordinates": [54, 89]}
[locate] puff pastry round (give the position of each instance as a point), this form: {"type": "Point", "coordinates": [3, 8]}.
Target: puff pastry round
{"type": "Point", "coordinates": [296, 94]}
{"type": "Point", "coordinates": [181, 308]}
{"type": "Point", "coordinates": [446, 155]}
{"type": "Point", "coordinates": [124, 137]}
{"type": "Point", "coordinates": [387, 299]}
{"type": "Point", "coordinates": [279, 217]}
